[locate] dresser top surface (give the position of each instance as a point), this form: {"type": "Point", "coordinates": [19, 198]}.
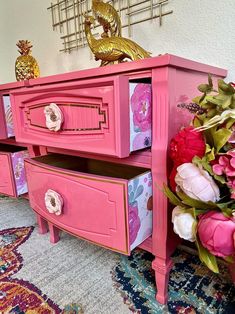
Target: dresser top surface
{"type": "Point", "coordinates": [124, 68]}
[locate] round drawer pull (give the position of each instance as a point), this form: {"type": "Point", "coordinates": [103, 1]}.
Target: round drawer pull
{"type": "Point", "coordinates": [54, 117]}
{"type": "Point", "coordinates": [54, 202]}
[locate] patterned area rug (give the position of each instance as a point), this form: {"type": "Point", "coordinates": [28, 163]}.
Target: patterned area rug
{"type": "Point", "coordinates": [37, 277]}
{"type": "Point", "coordinates": [192, 287]}
{"type": "Point", "coordinates": [19, 296]}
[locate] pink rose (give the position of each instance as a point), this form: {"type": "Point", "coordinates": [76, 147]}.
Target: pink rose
{"type": "Point", "coordinates": [141, 105]}
{"type": "Point", "coordinates": [216, 233]}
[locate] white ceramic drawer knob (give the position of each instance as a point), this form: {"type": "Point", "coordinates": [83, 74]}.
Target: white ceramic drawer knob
{"type": "Point", "coordinates": [54, 202]}
{"type": "Point", "coordinates": [54, 117]}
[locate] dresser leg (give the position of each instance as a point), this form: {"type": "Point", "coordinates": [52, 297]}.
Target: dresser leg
{"type": "Point", "coordinates": [162, 269]}
{"type": "Point", "coordinates": [54, 233]}
{"type": "Point", "coordinates": [42, 225]}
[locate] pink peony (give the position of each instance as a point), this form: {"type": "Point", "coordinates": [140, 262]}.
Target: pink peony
{"type": "Point", "coordinates": [187, 144]}
{"type": "Point", "coordinates": [216, 233]}
{"type": "Point", "coordinates": [141, 105]}
{"type": "Point", "coordinates": [197, 183]}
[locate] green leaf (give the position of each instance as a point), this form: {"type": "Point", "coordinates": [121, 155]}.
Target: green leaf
{"type": "Point", "coordinates": [209, 136]}
{"type": "Point", "coordinates": [196, 122]}
{"type": "Point", "coordinates": [220, 137]}
{"type": "Point", "coordinates": [172, 197]}
{"type": "Point", "coordinates": [208, 148]}
{"type": "Point", "coordinates": [230, 123]}
{"type": "Point", "coordinates": [211, 155]}
{"type": "Point", "coordinates": [207, 258]}
{"type": "Point", "coordinates": [227, 212]}
{"type": "Point", "coordinates": [225, 205]}
{"type": "Point", "coordinates": [197, 100]}
{"type": "Point", "coordinates": [204, 88]}
{"type": "Point", "coordinates": [198, 212]}
{"type": "Point", "coordinates": [225, 88]}
{"type": "Point", "coordinates": [210, 82]}
{"type": "Point", "coordinates": [213, 100]}
{"type": "Point", "coordinates": [197, 204]}
{"type": "Point", "coordinates": [220, 179]}
{"type": "Point", "coordinates": [227, 102]}
{"type": "Point", "coordinates": [204, 163]}
{"type": "Point", "coordinates": [229, 259]}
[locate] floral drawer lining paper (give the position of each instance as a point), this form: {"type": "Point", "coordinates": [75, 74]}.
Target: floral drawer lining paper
{"type": "Point", "coordinates": [8, 115]}
{"type": "Point", "coordinates": [140, 208]}
{"type": "Point", "coordinates": [140, 115]}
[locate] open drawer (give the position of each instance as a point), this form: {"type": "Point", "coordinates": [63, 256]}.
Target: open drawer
{"type": "Point", "coordinates": [12, 172]}
{"type": "Point", "coordinates": [105, 203]}
{"type": "Point", "coordinates": [95, 116]}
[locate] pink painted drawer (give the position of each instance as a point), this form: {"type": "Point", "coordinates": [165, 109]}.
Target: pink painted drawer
{"type": "Point", "coordinates": [92, 116]}
{"type": "Point", "coordinates": [105, 203]}
{"type": "Point", "coordinates": [12, 172]}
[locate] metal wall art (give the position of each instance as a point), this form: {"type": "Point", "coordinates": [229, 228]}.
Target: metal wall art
{"type": "Point", "coordinates": [68, 17]}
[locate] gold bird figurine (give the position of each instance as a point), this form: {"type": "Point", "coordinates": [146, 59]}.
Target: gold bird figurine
{"type": "Point", "coordinates": [108, 17]}
{"type": "Point", "coordinates": [112, 49]}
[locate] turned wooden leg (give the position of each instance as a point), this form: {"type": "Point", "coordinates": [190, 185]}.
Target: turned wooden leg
{"type": "Point", "coordinates": [54, 233]}
{"type": "Point", "coordinates": [42, 225]}
{"type": "Point", "coordinates": [162, 269]}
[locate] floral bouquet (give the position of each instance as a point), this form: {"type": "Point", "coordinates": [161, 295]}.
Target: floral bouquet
{"type": "Point", "coordinates": [202, 180]}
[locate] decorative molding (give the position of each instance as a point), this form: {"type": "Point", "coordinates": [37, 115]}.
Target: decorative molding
{"type": "Point", "coordinates": [67, 17]}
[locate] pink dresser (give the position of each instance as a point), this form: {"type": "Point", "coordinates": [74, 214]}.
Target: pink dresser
{"type": "Point", "coordinates": [103, 135]}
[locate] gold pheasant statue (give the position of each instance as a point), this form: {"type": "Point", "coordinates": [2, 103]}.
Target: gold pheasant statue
{"type": "Point", "coordinates": [108, 17]}
{"type": "Point", "coordinates": [112, 49]}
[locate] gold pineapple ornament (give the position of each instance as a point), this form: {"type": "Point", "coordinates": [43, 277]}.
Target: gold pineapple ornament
{"type": "Point", "coordinates": [26, 66]}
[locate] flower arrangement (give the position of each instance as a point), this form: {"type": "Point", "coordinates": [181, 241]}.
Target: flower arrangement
{"type": "Point", "coordinates": [202, 181]}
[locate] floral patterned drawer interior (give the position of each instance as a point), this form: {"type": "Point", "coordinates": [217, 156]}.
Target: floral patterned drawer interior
{"type": "Point", "coordinates": [140, 115]}
{"type": "Point", "coordinates": [12, 171]}
{"type": "Point", "coordinates": [8, 116]}
{"type": "Point", "coordinates": [140, 208]}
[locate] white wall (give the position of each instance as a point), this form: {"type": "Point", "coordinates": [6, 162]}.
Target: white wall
{"type": "Point", "coordinates": [202, 30]}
